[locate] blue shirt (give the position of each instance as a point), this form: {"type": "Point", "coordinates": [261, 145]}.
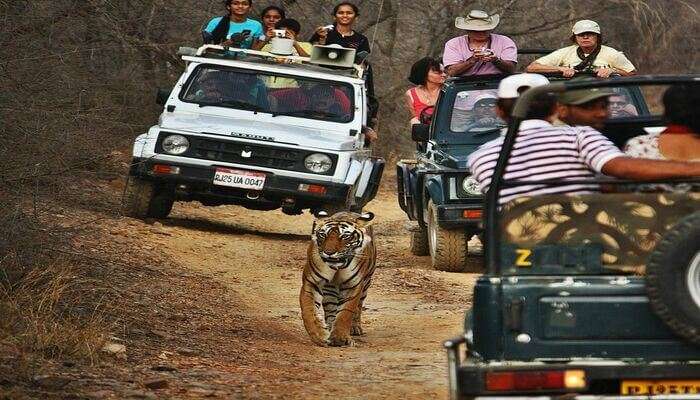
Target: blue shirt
{"type": "Point", "coordinates": [252, 25]}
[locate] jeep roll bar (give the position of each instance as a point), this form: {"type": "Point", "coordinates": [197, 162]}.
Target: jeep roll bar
{"type": "Point", "coordinates": [520, 110]}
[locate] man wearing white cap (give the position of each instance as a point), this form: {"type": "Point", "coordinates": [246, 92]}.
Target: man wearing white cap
{"type": "Point", "coordinates": [587, 54]}
{"type": "Point", "coordinates": [479, 52]}
{"type": "Point", "coordinates": [543, 151]}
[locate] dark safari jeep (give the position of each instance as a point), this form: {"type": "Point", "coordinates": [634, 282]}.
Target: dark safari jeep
{"type": "Point", "coordinates": [436, 190]}
{"type": "Point", "coordinates": [586, 296]}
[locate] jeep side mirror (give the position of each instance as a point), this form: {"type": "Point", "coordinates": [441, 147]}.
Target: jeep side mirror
{"type": "Point", "coordinates": [162, 96]}
{"type": "Point", "coordinates": [420, 132]}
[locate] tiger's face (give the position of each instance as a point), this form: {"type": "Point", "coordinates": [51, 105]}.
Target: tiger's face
{"type": "Point", "coordinates": [338, 237]}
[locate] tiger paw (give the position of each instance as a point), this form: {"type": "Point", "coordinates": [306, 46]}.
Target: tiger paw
{"type": "Point", "coordinates": [357, 330]}
{"type": "Point", "coordinates": [341, 341]}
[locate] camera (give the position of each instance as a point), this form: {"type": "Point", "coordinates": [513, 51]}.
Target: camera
{"type": "Point", "coordinates": [329, 27]}
{"type": "Point", "coordinates": [280, 33]}
{"type": "Point", "coordinates": [484, 52]}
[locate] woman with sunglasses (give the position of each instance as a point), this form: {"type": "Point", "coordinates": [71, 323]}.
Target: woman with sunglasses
{"type": "Point", "coordinates": [586, 55]}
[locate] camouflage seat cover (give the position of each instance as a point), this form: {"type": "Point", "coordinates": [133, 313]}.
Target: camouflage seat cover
{"type": "Point", "coordinates": [627, 225]}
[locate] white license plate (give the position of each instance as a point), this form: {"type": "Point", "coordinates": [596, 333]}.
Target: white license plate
{"type": "Point", "coordinates": [239, 178]}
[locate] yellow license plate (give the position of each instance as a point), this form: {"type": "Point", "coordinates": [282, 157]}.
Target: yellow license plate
{"type": "Point", "coordinates": [659, 387]}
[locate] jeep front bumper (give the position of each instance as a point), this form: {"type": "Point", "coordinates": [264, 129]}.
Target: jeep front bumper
{"type": "Point", "coordinates": [195, 182]}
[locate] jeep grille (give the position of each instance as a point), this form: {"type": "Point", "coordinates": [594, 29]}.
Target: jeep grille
{"type": "Point", "coordinates": [248, 154]}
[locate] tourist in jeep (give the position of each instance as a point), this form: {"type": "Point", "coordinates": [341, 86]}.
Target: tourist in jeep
{"type": "Point", "coordinates": [342, 33]}
{"type": "Point", "coordinates": [234, 29]}
{"type": "Point", "coordinates": [292, 28]}
{"type": "Point", "coordinates": [269, 16]}
{"type": "Point", "coordinates": [544, 151]}
{"type": "Point", "coordinates": [211, 90]}
{"type": "Point", "coordinates": [681, 138]}
{"type": "Point", "coordinates": [510, 89]}
{"type": "Point", "coordinates": [428, 76]}
{"type": "Point", "coordinates": [620, 106]}
{"type": "Point", "coordinates": [586, 55]}
{"type": "Point", "coordinates": [480, 51]}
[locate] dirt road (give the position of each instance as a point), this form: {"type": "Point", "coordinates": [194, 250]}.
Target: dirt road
{"type": "Point", "coordinates": [204, 304]}
{"type": "Point", "coordinates": [410, 309]}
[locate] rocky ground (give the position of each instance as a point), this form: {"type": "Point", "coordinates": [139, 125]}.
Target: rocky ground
{"type": "Point", "coordinates": [206, 306]}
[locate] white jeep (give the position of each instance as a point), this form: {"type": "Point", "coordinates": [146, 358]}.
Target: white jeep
{"type": "Point", "coordinates": [258, 130]}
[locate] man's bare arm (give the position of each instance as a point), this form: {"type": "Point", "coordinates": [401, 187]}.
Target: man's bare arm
{"type": "Point", "coordinates": [641, 169]}
{"type": "Point", "coordinates": [504, 65]}
{"type": "Point", "coordinates": [461, 67]}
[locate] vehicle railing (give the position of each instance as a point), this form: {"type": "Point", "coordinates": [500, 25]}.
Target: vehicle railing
{"type": "Point", "coordinates": [234, 53]}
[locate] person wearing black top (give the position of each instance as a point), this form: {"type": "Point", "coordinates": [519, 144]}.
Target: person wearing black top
{"type": "Point", "coordinates": [345, 14]}
{"type": "Point", "coordinates": [341, 33]}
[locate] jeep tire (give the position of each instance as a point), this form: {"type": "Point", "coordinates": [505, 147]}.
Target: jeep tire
{"type": "Point", "coordinates": [145, 199]}
{"type": "Point", "coordinates": [419, 241]}
{"type": "Point", "coordinates": [448, 248]}
{"type": "Point", "coordinates": [673, 278]}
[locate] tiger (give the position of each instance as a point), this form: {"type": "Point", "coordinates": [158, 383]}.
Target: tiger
{"type": "Point", "coordinates": [340, 262]}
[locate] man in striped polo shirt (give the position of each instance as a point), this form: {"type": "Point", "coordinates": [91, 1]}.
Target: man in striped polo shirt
{"type": "Point", "coordinates": [543, 151]}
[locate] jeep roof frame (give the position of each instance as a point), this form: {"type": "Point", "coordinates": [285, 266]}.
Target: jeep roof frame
{"type": "Point", "coordinates": [492, 212]}
{"type": "Point", "coordinates": [217, 52]}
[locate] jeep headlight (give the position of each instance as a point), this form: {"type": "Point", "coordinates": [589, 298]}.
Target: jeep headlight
{"type": "Point", "coordinates": [175, 144]}
{"type": "Point", "coordinates": [318, 163]}
{"type": "Point", "coordinates": [471, 186]}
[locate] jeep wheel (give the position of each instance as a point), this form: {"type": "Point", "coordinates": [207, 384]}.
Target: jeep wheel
{"type": "Point", "coordinates": [448, 248]}
{"type": "Point", "coordinates": [143, 199]}
{"type": "Point", "coordinates": [673, 278]}
{"type": "Point", "coordinates": [419, 241]}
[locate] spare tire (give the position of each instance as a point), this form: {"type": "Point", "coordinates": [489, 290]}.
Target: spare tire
{"type": "Point", "coordinates": [673, 278]}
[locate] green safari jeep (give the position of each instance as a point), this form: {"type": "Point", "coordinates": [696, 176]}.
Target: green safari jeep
{"type": "Point", "coordinates": [591, 296]}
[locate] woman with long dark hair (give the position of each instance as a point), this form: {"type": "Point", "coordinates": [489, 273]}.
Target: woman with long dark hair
{"type": "Point", "coordinates": [587, 55]}
{"type": "Point", "coordinates": [342, 31]}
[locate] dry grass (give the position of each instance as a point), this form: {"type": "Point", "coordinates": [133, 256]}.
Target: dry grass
{"type": "Point", "coordinates": [51, 305]}
{"type": "Point", "coordinates": [47, 314]}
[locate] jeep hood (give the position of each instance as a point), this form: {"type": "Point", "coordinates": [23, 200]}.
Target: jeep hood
{"type": "Point", "coordinates": [456, 156]}
{"type": "Point", "coordinates": [261, 131]}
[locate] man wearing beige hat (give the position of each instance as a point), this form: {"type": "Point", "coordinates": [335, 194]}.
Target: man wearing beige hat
{"type": "Point", "coordinates": [587, 54]}
{"type": "Point", "coordinates": [479, 52]}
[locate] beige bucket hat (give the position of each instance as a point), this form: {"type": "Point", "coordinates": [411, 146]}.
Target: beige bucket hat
{"type": "Point", "coordinates": [478, 20]}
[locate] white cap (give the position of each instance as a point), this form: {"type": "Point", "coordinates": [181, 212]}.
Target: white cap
{"type": "Point", "coordinates": [483, 96]}
{"type": "Point", "coordinates": [585, 25]}
{"type": "Point", "coordinates": [509, 87]}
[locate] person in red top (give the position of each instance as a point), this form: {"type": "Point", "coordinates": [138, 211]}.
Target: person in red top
{"type": "Point", "coordinates": [428, 76]}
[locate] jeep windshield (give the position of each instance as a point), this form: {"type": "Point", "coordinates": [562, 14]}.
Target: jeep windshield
{"type": "Point", "coordinates": [279, 95]}
{"type": "Point", "coordinates": [473, 119]}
